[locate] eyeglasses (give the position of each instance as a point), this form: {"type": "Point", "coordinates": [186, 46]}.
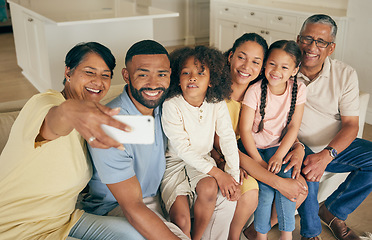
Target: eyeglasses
{"type": "Point", "coordinates": [310, 40]}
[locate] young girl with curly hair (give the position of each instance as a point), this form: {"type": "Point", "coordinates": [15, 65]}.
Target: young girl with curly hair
{"type": "Point", "coordinates": [270, 120]}
{"type": "Point", "coordinates": [193, 113]}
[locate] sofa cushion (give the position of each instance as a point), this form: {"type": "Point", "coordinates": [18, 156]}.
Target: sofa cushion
{"type": "Point", "coordinates": [6, 122]}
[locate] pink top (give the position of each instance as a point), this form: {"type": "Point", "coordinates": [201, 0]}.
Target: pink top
{"type": "Point", "coordinates": [276, 112]}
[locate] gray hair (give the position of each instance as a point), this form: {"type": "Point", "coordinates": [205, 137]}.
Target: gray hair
{"type": "Point", "coordinates": [321, 19]}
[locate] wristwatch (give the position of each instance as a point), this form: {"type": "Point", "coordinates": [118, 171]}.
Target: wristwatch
{"type": "Point", "coordinates": [332, 151]}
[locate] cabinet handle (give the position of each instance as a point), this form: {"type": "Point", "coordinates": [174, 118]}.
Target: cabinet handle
{"type": "Point", "coordinates": [235, 26]}
{"type": "Point", "coordinates": [262, 31]}
{"type": "Point", "coordinates": [267, 32]}
{"type": "Point", "coordinates": [226, 9]}
{"type": "Point", "coordinates": [252, 13]}
{"type": "Point", "coordinates": [30, 19]}
{"type": "Point", "coordinates": [280, 18]}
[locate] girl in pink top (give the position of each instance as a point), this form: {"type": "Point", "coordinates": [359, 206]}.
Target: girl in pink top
{"type": "Point", "coordinates": [270, 120]}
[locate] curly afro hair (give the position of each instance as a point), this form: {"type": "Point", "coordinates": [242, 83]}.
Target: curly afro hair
{"type": "Point", "coordinates": [208, 57]}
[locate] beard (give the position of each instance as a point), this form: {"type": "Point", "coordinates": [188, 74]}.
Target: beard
{"type": "Point", "coordinates": [137, 94]}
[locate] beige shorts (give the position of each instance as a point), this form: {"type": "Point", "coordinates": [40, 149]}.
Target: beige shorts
{"type": "Point", "coordinates": [179, 179]}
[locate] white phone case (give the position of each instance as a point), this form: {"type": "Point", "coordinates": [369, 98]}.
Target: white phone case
{"type": "Point", "coordinates": [143, 131]}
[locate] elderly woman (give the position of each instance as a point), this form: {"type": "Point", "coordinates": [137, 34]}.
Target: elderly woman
{"type": "Point", "coordinates": [44, 165]}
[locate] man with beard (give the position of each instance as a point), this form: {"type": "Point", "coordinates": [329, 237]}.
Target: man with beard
{"type": "Point", "coordinates": [125, 182]}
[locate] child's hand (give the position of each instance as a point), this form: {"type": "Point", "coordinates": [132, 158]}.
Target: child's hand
{"type": "Point", "coordinates": [275, 164]}
{"type": "Point", "coordinates": [236, 195]}
{"type": "Point", "coordinates": [225, 181]}
{"type": "Point", "coordinates": [227, 184]}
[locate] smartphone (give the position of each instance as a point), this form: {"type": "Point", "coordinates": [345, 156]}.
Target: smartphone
{"type": "Point", "coordinates": [143, 129]}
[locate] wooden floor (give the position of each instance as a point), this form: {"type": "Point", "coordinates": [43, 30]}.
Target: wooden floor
{"type": "Point", "coordinates": [14, 86]}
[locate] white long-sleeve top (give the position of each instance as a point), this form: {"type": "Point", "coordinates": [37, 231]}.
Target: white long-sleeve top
{"type": "Point", "coordinates": [190, 131]}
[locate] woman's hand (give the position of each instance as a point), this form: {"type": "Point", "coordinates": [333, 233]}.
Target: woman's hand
{"type": "Point", "coordinates": [86, 117]}
{"type": "Point", "coordinates": [295, 158]}
{"type": "Point", "coordinates": [236, 195]}
{"type": "Point", "coordinates": [291, 188]}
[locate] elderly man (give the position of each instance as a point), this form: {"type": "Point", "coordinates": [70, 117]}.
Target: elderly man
{"type": "Point", "coordinates": [329, 129]}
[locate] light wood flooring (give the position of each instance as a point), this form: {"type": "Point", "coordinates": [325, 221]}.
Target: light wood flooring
{"type": "Point", "coordinates": [14, 86]}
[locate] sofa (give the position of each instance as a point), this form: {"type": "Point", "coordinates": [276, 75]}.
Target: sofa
{"type": "Point", "coordinates": [329, 182]}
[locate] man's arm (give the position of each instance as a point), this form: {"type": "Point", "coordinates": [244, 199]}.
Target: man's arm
{"type": "Point", "coordinates": [315, 164]}
{"type": "Point", "coordinates": [129, 196]}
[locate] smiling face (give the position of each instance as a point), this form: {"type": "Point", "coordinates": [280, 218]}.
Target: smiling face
{"type": "Point", "coordinates": [148, 77]}
{"type": "Point", "coordinates": [90, 80]}
{"type": "Point", "coordinates": [313, 56]}
{"type": "Point", "coordinates": [246, 62]}
{"type": "Point", "coordinates": [194, 81]}
{"type": "Point", "coordinates": [279, 67]}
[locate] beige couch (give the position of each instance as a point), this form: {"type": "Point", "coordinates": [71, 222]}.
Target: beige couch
{"type": "Point", "coordinates": [329, 182]}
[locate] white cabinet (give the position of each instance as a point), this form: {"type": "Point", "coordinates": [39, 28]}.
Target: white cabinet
{"type": "Point", "coordinates": [227, 33]}
{"type": "Point", "coordinates": [35, 66]}
{"type": "Point", "coordinates": [44, 33]}
{"type": "Point", "coordinates": [201, 20]}
{"type": "Point", "coordinates": [233, 21]}
{"type": "Point", "coordinates": [31, 50]}
{"type": "Point", "coordinates": [191, 27]}
{"type": "Point", "coordinates": [230, 20]}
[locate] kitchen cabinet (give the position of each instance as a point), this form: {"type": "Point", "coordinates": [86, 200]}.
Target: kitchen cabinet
{"type": "Point", "coordinates": [201, 20]}
{"type": "Point", "coordinates": [231, 19]}
{"type": "Point", "coordinates": [191, 27]}
{"type": "Point", "coordinates": [44, 31]}
{"type": "Point", "coordinates": [227, 33]}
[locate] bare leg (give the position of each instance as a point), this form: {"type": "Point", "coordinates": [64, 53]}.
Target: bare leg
{"type": "Point", "coordinates": [204, 206]}
{"type": "Point", "coordinates": [179, 214]}
{"type": "Point", "coordinates": [251, 233]}
{"type": "Point", "coordinates": [286, 235]}
{"type": "Point", "coordinates": [245, 207]}
{"type": "Point", "coordinates": [261, 236]}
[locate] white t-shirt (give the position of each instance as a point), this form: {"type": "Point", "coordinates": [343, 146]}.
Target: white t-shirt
{"type": "Point", "coordinates": [191, 130]}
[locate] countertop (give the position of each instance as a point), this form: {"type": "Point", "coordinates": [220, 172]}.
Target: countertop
{"type": "Point", "coordinates": [297, 7]}
{"type": "Point", "coordinates": [71, 12]}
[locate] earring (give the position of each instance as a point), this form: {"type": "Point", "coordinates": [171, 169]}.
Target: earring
{"type": "Point", "coordinates": [68, 80]}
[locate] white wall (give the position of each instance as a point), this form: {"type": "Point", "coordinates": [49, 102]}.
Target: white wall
{"type": "Point", "coordinates": [358, 47]}
{"type": "Point", "coordinates": [192, 25]}
{"type": "Point", "coordinates": [170, 32]}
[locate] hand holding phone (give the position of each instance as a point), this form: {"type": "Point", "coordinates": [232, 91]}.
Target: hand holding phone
{"type": "Point", "coordinates": [143, 130]}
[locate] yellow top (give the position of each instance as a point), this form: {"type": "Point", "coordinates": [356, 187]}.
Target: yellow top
{"type": "Point", "coordinates": [39, 185]}
{"type": "Point", "coordinates": [234, 110]}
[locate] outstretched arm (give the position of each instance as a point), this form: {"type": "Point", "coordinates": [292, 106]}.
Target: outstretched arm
{"type": "Point", "coordinates": [129, 196]}
{"type": "Point", "coordinates": [84, 116]}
